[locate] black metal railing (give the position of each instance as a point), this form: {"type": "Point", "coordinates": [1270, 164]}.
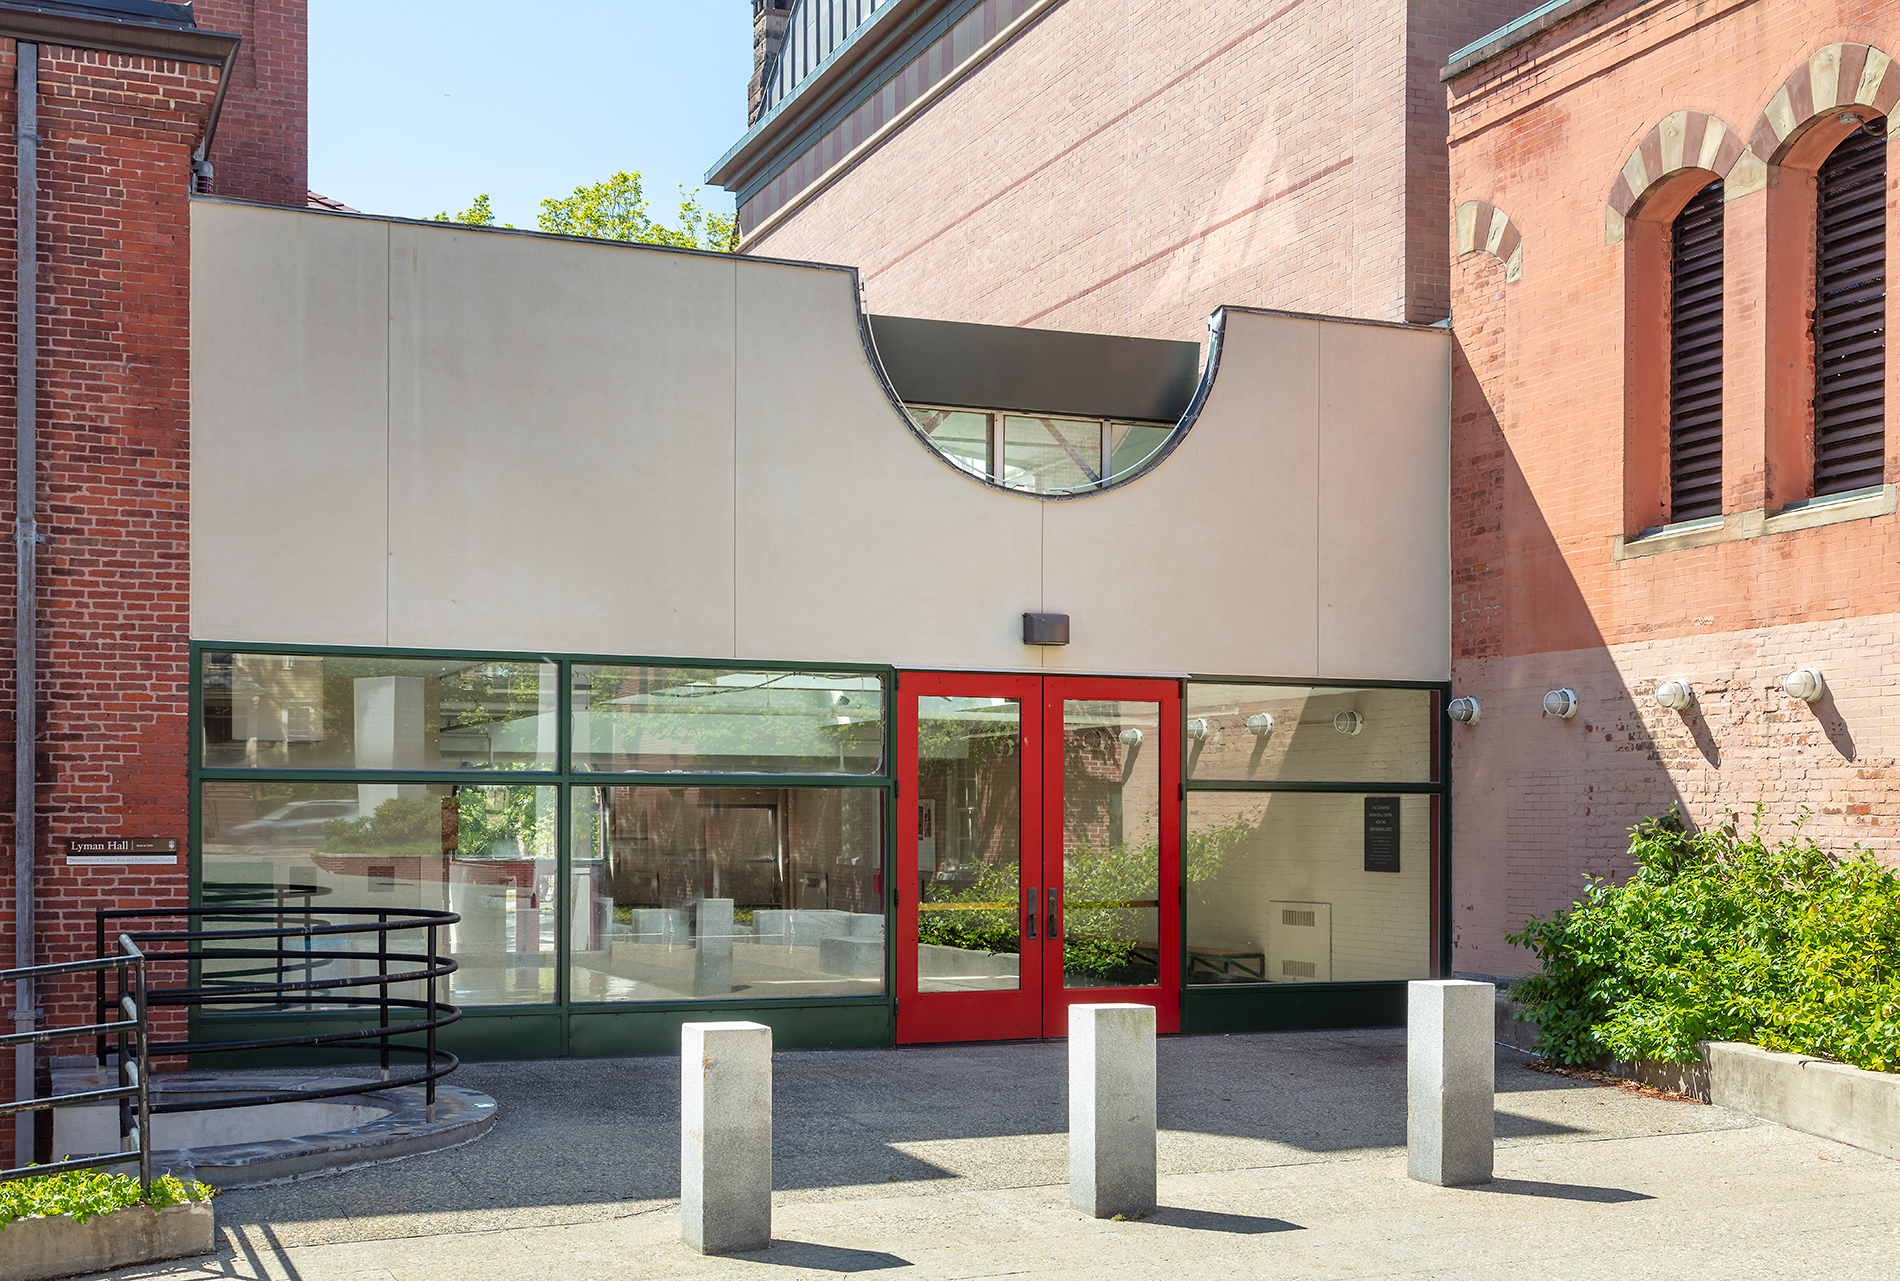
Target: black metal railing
{"type": "Point", "coordinates": [133, 1093]}
{"type": "Point", "coordinates": [259, 961]}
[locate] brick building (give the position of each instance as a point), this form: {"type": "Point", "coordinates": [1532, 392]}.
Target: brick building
{"type": "Point", "coordinates": [1672, 223]}
{"type": "Point", "coordinates": [1118, 168]}
{"type": "Point", "coordinates": [128, 94]}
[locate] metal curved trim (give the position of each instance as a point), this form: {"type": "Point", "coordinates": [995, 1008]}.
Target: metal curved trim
{"type": "Point", "coordinates": [1210, 369]}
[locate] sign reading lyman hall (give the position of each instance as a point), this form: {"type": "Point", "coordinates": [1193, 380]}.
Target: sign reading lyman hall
{"type": "Point", "coordinates": [122, 851]}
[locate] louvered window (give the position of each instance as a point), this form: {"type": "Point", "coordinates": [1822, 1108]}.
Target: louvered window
{"type": "Point", "coordinates": [1695, 358]}
{"type": "Point", "coordinates": [1850, 314]}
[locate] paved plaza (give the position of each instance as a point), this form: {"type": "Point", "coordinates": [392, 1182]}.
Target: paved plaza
{"type": "Point", "coordinates": [1282, 1155]}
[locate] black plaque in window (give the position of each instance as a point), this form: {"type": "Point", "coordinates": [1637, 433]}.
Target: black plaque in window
{"type": "Point", "coordinates": [1382, 833]}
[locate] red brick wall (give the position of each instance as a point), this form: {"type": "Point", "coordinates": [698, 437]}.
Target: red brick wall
{"type": "Point", "coordinates": [262, 151]}
{"type": "Point", "coordinates": [117, 133]}
{"type": "Point", "coordinates": [1543, 396]}
{"type": "Point", "coordinates": [1128, 167]}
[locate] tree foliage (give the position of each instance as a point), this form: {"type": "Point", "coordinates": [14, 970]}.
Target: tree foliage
{"type": "Point", "coordinates": [1722, 935]}
{"type": "Point", "coordinates": [616, 209]}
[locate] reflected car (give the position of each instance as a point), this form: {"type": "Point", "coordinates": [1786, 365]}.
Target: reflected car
{"type": "Point", "coordinates": [298, 823]}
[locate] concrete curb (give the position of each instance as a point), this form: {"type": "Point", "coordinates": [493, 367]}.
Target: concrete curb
{"type": "Point", "coordinates": [42, 1248]}
{"type": "Point", "coordinates": [1847, 1104]}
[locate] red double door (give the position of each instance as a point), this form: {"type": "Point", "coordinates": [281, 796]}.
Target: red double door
{"type": "Point", "coordinates": [1038, 852]}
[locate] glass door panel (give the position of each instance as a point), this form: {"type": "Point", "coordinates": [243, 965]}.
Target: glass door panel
{"type": "Point", "coordinates": [1111, 844]}
{"type": "Point", "coordinates": [969, 843]}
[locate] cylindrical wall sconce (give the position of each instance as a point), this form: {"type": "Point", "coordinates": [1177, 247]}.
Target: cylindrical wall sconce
{"type": "Point", "coordinates": [1198, 729]}
{"type": "Point", "coordinates": [1348, 721]}
{"type": "Point", "coordinates": [1463, 710]}
{"type": "Point", "coordinates": [1804, 683]}
{"type": "Point", "coordinates": [1260, 724]}
{"type": "Point", "coordinates": [1561, 703]}
{"type": "Point", "coordinates": [1676, 695]}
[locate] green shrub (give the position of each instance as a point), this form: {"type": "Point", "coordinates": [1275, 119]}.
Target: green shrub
{"type": "Point", "coordinates": [88, 1194]}
{"type": "Point", "coordinates": [1722, 936]}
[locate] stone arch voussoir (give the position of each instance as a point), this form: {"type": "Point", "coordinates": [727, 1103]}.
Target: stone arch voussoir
{"type": "Point", "coordinates": [1836, 76]}
{"type": "Point", "coordinates": [1682, 140]}
{"type": "Point", "coordinates": [1480, 227]}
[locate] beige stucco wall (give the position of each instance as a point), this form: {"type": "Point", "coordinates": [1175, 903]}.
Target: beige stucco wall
{"type": "Point", "coordinates": [437, 437]}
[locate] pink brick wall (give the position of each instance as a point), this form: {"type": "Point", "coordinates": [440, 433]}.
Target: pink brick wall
{"type": "Point", "coordinates": [1540, 487]}
{"type": "Point", "coordinates": [1128, 167]}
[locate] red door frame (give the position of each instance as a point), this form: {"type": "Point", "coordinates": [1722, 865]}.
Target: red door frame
{"type": "Point", "coordinates": [1038, 1008]}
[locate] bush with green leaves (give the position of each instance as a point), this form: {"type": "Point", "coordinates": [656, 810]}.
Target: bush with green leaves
{"type": "Point", "coordinates": [89, 1194]}
{"type": "Point", "coordinates": [1722, 935]}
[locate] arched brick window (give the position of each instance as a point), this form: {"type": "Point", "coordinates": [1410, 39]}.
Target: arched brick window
{"type": "Point", "coordinates": [1850, 313]}
{"type": "Point", "coordinates": [1695, 357]}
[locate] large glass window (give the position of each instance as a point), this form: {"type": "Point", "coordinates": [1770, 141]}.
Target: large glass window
{"type": "Point", "coordinates": [706, 720]}
{"type": "Point", "coordinates": [314, 711]}
{"type": "Point", "coordinates": [1302, 887]}
{"type": "Point", "coordinates": [1309, 733]}
{"type": "Point", "coordinates": [484, 851]}
{"type": "Point", "coordinates": [726, 892]}
{"type": "Point", "coordinates": [491, 798]}
{"type": "Point", "coordinates": [1042, 453]}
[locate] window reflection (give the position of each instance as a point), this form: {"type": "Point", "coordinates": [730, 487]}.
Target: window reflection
{"type": "Point", "coordinates": [1309, 733]}
{"type": "Point", "coordinates": [292, 711]}
{"type": "Point", "coordinates": [716, 892]}
{"type": "Point", "coordinates": [704, 720]}
{"type": "Point", "coordinates": [1292, 887]}
{"type": "Point", "coordinates": [485, 852]}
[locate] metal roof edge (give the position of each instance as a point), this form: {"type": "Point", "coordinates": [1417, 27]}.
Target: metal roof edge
{"type": "Point", "coordinates": [831, 74]}
{"type": "Point", "coordinates": [150, 38]}
{"type": "Point", "coordinates": [1417, 327]}
{"type": "Point", "coordinates": [1534, 23]}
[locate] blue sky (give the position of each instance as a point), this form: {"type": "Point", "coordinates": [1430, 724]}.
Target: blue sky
{"type": "Point", "coordinates": [416, 105]}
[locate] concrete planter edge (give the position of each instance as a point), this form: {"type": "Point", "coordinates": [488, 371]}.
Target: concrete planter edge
{"type": "Point", "coordinates": [40, 1249]}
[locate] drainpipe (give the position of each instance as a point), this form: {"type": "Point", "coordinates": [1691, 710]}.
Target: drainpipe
{"type": "Point", "coordinates": [25, 610]}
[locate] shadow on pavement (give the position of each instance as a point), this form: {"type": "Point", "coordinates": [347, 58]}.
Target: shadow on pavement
{"type": "Point", "coordinates": [1214, 1221]}
{"type": "Point", "coordinates": [830, 1258]}
{"type": "Point", "coordinates": [1560, 1191]}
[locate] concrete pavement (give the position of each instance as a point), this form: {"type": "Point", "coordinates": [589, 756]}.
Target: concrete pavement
{"type": "Point", "coordinates": [1281, 1155]}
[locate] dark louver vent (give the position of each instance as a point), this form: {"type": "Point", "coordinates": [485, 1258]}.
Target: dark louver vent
{"type": "Point", "coordinates": [1695, 358]}
{"type": "Point", "coordinates": [1850, 315]}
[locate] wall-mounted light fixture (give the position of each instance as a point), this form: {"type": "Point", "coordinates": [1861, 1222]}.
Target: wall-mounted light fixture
{"type": "Point", "coordinates": [1045, 629]}
{"type": "Point", "coordinates": [1804, 683]}
{"type": "Point", "coordinates": [1463, 710]}
{"type": "Point", "coordinates": [1198, 729]}
{"type": "Point", "coordinates": [1348, 721]}
{"type": "Point", "coordinates": [1260, 724]}
{"type": "Point", "coordinates": [1131, 736]}
{"type": "Point", "coordinates": [1676, 695]}
{"type": "Point", "coordinates": [1561, 703]}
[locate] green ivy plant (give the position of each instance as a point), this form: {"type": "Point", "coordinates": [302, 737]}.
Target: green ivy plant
{"type": "Point", "coordinates": [84, 1195]}
{"type": "Point", "coordinates": [1722, 935]}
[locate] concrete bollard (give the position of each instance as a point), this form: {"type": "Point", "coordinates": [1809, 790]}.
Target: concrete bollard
{"type": "Point", "coordinates": [1451, 1082]}
{"type": "Point", "coordinates": [712, 948]}
{"type": "Point", "coordinates": [725, 1136]}
{"type": "Point", "coordinates": [1112, 1109]}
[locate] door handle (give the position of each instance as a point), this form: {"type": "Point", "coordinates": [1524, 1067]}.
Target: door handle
{"type": "Point", "coordinates": [1050, 932]}
{"type": "Point", "coordinates": [1032, 911]}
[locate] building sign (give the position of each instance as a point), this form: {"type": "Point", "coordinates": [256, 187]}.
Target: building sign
{"type": "Point", "coordinates": [122, 851]}
{"type": "Point", "coordinates": [1382, 833]}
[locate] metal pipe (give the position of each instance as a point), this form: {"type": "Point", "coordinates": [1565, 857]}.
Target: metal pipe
{"type": "Point", "coordinates": [26, 561]}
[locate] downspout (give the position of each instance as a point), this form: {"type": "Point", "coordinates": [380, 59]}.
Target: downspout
{"type": "Point", "coordinates": [26, 539]}
{"type": "Point", "coordinates": [201, 171]}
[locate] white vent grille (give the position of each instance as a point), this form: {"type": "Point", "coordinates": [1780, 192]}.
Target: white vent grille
{"type": "Point", "coordinates": [1299, 969]}
{"type": "Point", "coordinates": [1290, 917]}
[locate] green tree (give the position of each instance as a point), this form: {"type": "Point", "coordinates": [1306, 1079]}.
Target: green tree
{"type": "Point", "coordinates": [478, 214]}
{"type": "Point", "coordinates": [616, 209]}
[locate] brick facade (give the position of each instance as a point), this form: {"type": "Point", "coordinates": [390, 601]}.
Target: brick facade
{"type": "Point", "coordinates": [262, 151]}
{"type": "Point", "coordinates": [117, 134]}
{"type": "Point", "coordinates": [1126, 168]}
{"type": "Point", "coordinates": [1577, 140]}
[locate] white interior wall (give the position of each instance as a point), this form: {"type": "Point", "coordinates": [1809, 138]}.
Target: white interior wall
{"type": "Point", "coordinates": [445, 438]}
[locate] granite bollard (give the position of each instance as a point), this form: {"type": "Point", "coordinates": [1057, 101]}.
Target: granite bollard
{"type": "Point", "coordinates": [725, 1136]}
{"type": "Point", "coordinates": [712, 948]}
{"type": "Point", "coordinates": [1451, 1082]}
{"type": "Point", "coordinates": [1112, 1109]}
